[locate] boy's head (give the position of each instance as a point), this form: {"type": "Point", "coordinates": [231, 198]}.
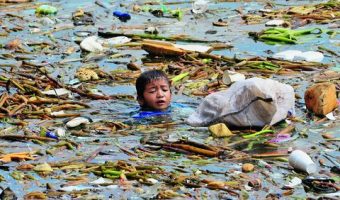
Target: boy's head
{"type": "Point", "coordinates": [153, 90]}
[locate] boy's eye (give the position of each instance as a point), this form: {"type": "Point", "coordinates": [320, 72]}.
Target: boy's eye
{"type": "Point", "coordinates": [165, 89]}
{"type": "Point", "coordinates": [152, 91]}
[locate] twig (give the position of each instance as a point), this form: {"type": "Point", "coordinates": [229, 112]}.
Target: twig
{"type": "Point", "coordinates": [25, 137]}
{"type": "Point", "coordinates": [94, 154]}
{"type": "Point", "coordinates": [3, 98]}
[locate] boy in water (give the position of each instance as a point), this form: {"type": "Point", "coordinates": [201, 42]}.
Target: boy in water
{"type": "Point", "coordinates": [153, 91]}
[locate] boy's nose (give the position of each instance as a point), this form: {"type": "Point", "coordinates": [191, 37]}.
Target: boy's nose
{"type": "Point", "coordinates": [160, 93]}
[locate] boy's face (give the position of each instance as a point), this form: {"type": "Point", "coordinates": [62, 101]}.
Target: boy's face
{"type": "Point", "coordinates": [156, 95]}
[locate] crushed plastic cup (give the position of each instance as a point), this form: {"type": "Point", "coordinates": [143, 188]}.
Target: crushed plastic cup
{"type": "Point", "coordinates": [200, 6]}
{"type": "Point", "coordinates": [301, 161]}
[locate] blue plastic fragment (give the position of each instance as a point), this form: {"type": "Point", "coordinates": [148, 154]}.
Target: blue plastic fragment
{"type": "Point", "coordinates": [51, 135]}
{"type": "Point", "coordinates": [122, 16]}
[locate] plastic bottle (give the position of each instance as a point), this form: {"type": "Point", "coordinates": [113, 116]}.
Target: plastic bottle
{"type": "Point", "coordinates": [200, 6]}
{"type": "Point", "coordinates": [122, 16]}
{"type": "Point", "coordinates": [46, 10]}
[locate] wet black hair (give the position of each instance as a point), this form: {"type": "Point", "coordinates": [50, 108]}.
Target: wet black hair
{"type": "Point", "coordinates": [147, 77]}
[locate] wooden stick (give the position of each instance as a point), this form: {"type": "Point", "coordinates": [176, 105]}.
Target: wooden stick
{"type": "Point", "coordinates": [3, 98]}
{"type": "Point", "coordinates": [287, 130]}
{"type": "Point", "coordinates": [267, 155]}
{"type": "Point", "coordinates": [18, 85]}
{"type": "Point", "coordinates": [16, 109]}
{"type": "Point", "coordinates": [25, 137]}
{"type": "Point", "coordinates": [34, 89]}
{"type": "Point", "coordinates": [223, 188]}
{"type": "Point", "coordinates": [75, 102]}
{"type": "Point", "coordinates": [94, 154]}
{"type": "Point", "coordinates": [193, 149]}
{"type": "Point", "coordinates": [199, 145]}
{"type": "Point", "coordinates": [5, 110]}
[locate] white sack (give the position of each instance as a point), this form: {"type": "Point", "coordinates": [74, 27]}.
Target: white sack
{"type": "Point", "coordinates": [252, 102]}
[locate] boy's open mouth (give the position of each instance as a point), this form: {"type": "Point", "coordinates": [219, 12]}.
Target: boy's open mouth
{"type": "Point", "coordinates": [161, 102]}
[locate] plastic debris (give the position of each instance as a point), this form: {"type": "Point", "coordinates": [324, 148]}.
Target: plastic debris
{"type": "Point", "coordinates": [122, 16]}
{"type": "Point", "coordinates": [230, 77]}
{"type": "Point", "coordinates": [46, 21]}
{"type": "Point", "coordinates": [295, 55]}
{"type": "Point", "coordinates": [75, 188]}
{"type": "Point", "coordinates": [152, 30]}
{"type": "Point", "coordinates": [310, 56]}
{"type": "Point", "coordinates": [330, 116]}
{"type": "Point", "coordinates": [77, 121]}
{"type": "Point", "coordinates": [49, 134]}
{"type": "Point", "coordinates": [101, 180]}
{"type": "Point", "coordinates": [275, 22]}
{"type": "Point", "coordinates": [294, 182]}
{"type": "Point", "coordinates": [91, 44]}
{"type": "Point", "coordinates": [252, 102]}
{"type": "Point", "coordinates": [152, 181]}
{"type": "Point", "coordinates": [57, 92]}
{"type": "Point", "coordinates": [46, 10]}
{"type": "Point", "coordinates": [116, 41]}
{"type": "Point", "coordinates": [301, 161]}
{"type": "Point", "coordinates": [60, 132]}
{"type": "Point", "coordinates": [287, 55]}
{"type": "Point", "coordinates": [200, 6]}
{"type": "Point", "coordinates": [280, 138]}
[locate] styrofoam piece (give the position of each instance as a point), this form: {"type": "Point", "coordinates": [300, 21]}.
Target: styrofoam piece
{"type": "Point", "coordinates": [117, 40]}
{"type": "Point", "coordinates": [77, 121]}
{"type": "Point", "coordinates": [91, 44]}
{"type": "Point", "coordinates": [310, 56]}
{"type": "Point", "coordinates": [275, 22]}
{"type": "Point", "coordinates": [56, 92]}
{"type": "Point", "coordinates": [287, 55]}
{"type": "Point", "coordinates": [296, 55]}
{"type": "Point", "coordinates": [231, 77]}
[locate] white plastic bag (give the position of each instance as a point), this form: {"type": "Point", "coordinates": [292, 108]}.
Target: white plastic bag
{"type": "Point", "coordinates": [252, 102]}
